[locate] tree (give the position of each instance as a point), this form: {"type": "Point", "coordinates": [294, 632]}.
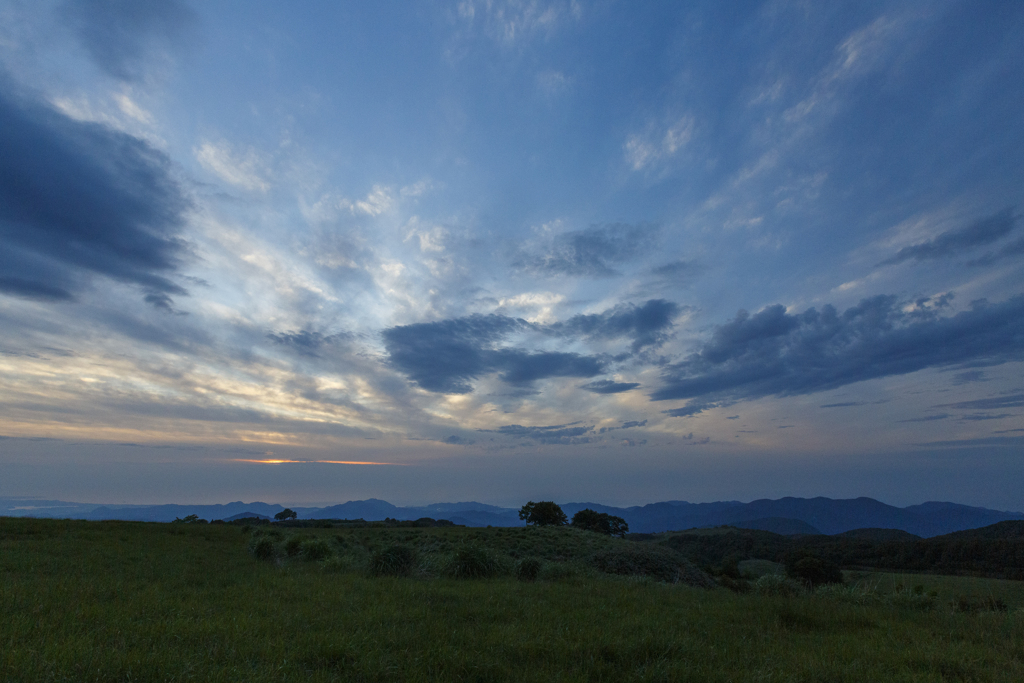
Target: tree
{"type": "Point", "coordinates": [601, 522]}
{"type": "Point", "coordinates": [544, 513]}
{"type": "Point", "coordinates": [287, 513]}
{"type": "Point", "coordinates": [189, 519]}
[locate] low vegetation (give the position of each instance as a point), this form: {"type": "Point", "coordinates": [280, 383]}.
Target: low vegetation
{"type": "Point", "coordinates": [124, 601]}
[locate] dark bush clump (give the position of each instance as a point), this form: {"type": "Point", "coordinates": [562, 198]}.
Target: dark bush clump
{"type": "Point", "coordinates": [528, 569]}
{"type": "Point", "coordinates": [812, 570]}
{"type": "Point", "coordinates": [658, 563]}
{"type": "Point", "coordinates": [398, 560]}
{"type": "Point", "coordinates": [262, 548]}
{"type": "Point", "coordinates": [473, 562]}
{"type": "Point", "coordinates": [315, 549]}
{"type": "Point", "coordinates": [293, 546]}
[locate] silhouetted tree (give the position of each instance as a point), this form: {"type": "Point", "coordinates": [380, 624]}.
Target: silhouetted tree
{"type": "Point", "coordinates": [544, 513]}
{"type": "Point", "coordinates": [189, 519]}
{"type": "Point", "coordinates": [287, 513]}
{"type": "Point", "coordinates": [601, 522]}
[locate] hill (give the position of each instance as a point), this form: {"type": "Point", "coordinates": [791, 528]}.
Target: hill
{"type": "Point", "coordinates": [785, 515]}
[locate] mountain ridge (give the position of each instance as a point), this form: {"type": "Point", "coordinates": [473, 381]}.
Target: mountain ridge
{"type": "Point", "coordinates": [789, 514]}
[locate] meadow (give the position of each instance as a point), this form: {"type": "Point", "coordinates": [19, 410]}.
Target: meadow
{"type": "Point", "coordinates": [124, 601]}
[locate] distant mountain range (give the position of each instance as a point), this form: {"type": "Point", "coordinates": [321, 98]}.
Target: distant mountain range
{"type": "Point", "coordinates": [789, 516]}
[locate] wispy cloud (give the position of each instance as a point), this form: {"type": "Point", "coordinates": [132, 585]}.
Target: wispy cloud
{"type": "Point", "coordinates": [244, 170]}
{"type": "Point", "coordinates": [594, 252]}
{"type": "Point", "coordinates": [954, 242]}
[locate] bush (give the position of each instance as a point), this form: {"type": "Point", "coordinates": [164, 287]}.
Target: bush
{"type": "Point", "coordinates": [812, 570]}
{"type": "Point", "coordinates": [473, 562]}
{"type": "Point", "coordinates": [315, 549]}
{"type": "Point", "coordinates": [776, 584]}
{"type": "Point", "coordinates": [262, 547]}
{"type": "Point", "coordinates": [397, 560]}
{"type": "Point", "coordinates": [656, 562]}
{"type": "Point", "coordinates": [528, 569]}
{"type": "Point", "coordinates": [293, 546]}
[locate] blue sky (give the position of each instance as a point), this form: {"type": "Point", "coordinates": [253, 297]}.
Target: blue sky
{"type": "Point", "coordinates": [608, 251]}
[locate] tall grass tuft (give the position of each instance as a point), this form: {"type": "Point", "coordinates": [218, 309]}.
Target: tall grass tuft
{"type": "Point", "coordinates": [528, 569]}
{"type": "Point", "coordinates": [262, 547]}
{"type": "Point", "coordinates": [473, 562]}
{"type": "Point", "coordinates": [314, 549]}
{"type": "Point", "coordinates": [396, 560]}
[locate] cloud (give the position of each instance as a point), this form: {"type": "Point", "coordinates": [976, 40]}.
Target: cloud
{"type": "Point", "coordinates": [978, 417]}
{"type": "Point", "coordinates": [631, 424]}
{"type": "Point", "coordinates": [118, 34]}
{"type": "Point", "coordinates": [245, 171]}
{"type": "Point", "coordinates": [563, 435]}
{"type": "Point", "coordinates": [1009, 250]}
{"type": "Point", "coordinates": [655, 144]}
{"type": "Point", "coordinates": [969, 376]}
{"type": "Point", "coordinates": [954, 242]}
{"type": "Point", "coordinates": [445, 356]}
{"type": "Point", "coordinates": [607, 386]}
{"type": "Point", "coordinates": [646, 324]}
{"type": "Point", "coordinates": [691, 409]}
{"type": "Point", "coordinates": [77, 198]}
{"type": "Point", "coordinates": [776, 353]}
{"type": "Point", "coordinates": [1011, 401]}
{"type": "Point", "coordinates": [847, 404]}
{"type": "Point", "coordinates": [305, 342]}
{"type": "Point", "coordinates": [676, 270]}
{"type": "Point", "coordinates": [1005, 441]}
{"type": "Point", "coordinates": [587, 253]}
{"type": "Point", "coordinates": [928, 418]}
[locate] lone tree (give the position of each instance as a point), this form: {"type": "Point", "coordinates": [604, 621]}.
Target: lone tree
{"type": "Point", "coordinates": [544, 513]}
{"type": "Point", "coordinates": [601, 522]}
{"type": "Point", "coordinates": [287, 513]}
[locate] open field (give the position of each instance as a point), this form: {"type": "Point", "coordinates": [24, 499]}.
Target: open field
{"type": "Point", "coordinates": [120, 601]}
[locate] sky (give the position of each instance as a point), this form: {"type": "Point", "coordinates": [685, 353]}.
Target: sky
{"type": "Point", "coordinates": [511, 250]}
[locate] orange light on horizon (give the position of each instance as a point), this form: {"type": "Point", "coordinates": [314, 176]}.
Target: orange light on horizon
{"type": "Point", "coordinates": [326, 462]}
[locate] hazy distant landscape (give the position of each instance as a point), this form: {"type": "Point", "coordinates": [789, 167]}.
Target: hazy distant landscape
{"type": "Point", "coordinates": [785, 516]}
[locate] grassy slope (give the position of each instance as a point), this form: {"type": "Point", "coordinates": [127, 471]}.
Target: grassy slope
{"type": "Point", "coordinates": [129, 601]}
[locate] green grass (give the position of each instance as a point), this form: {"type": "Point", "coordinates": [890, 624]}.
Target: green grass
{"type": "Point", "coordinates": [117, 601]}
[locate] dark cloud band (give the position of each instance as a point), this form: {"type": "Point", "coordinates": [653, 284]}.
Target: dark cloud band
{"type": "Point", "coordinates": [774, 353]}
{"type": "Point", "coordinates": [80, 198]}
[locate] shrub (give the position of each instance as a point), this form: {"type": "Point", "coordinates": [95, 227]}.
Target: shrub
{"type": "Point", "coordinates": [315, 549]}
{"type": "Point", "coordinates": [262, 547]}
{"type": "Point", "coordinates": [397, 560]}
{"type": "Point", "coordinates": [776, 584]}
{"type": "Point", "coordinates": [812, 570]}
{"type": "Point", "coordinates": [293, 546]}
{"type": "Point", "coordinates": [528, 569]}
{"type": "Point", "coordinates": [473, 562]}
{"type": "Point", "coordinates": [656, 562]}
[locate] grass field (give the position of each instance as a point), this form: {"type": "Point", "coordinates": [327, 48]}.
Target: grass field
{"type": "Point", "coordinates": [121, 601]}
